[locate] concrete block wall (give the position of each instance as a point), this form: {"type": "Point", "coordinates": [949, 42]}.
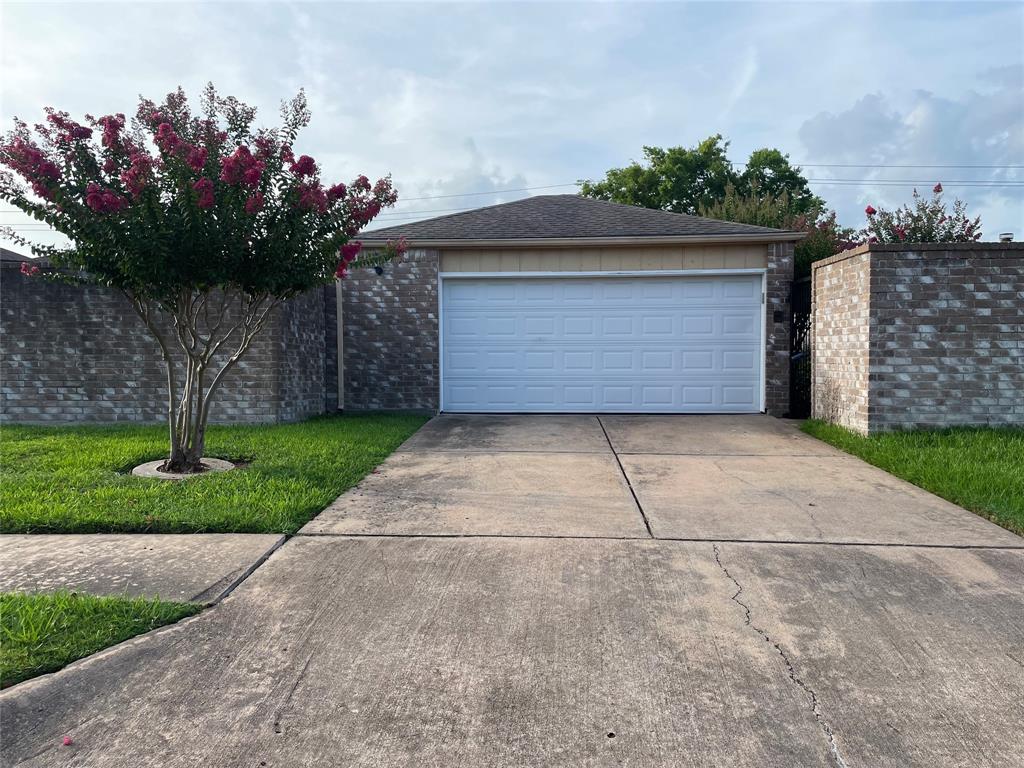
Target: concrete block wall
{"type": "Point", "coordinates": [942, 335]}
{"type": "Point", "coordinates": [80, 354]}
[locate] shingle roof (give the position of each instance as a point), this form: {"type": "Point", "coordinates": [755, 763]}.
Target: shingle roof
{"type": "Point", "coordinates": [546, 217]}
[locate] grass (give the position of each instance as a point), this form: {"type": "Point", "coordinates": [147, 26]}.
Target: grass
{"type": "Point", "coordinates": [42, 633]}
{"type": "Point", "coordinates": [981, 469]}
{"type": "Point", "coordinates": [74, 479]}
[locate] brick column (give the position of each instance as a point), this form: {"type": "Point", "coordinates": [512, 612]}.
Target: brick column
{"type": "Point", "coordinates": [779, 283]}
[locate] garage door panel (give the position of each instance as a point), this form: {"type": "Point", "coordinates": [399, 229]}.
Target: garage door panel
{"type": "Point", "coordinates": [670, 344]}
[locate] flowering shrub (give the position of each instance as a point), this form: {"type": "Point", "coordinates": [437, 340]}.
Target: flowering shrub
{"type": "Point", "coordinates": [193, 218]}
{"type": "Point", "coordinates": [924, 221]}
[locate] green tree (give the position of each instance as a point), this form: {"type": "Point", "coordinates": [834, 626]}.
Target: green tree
{"type": "Point", "coordinates": [768, 172]}
{"type": "Point", "coordinates": [824, 236]}
{"type": "Point", "coordinates": [686, 180]}
{"type": "Point", "coordinates": [204, 223]}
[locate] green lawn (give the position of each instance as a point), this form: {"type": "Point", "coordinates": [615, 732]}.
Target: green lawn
{"type": "Point", "coordinates": [42, 633]}
{"type": "Point", "coordinates": [980, 469]}
{"type": "Point", "coordinates": [73, 479]}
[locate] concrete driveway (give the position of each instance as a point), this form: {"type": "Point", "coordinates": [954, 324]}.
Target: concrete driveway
{"type": "Point", "coordinates": [575, 591]}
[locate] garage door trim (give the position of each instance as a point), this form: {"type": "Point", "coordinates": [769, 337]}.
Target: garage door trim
{"type": "Point", "coordinates": [443, 276]}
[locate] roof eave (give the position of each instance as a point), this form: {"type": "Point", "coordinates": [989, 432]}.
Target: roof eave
{"type": "Point", "coordinates": [556, 242]}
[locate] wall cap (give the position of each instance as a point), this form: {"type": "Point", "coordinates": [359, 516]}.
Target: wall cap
{"type": "Point", "coordinates": [914, 248]}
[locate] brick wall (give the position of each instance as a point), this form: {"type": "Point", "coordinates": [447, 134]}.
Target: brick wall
{"type": "Point", "coordinates": [390, 335]}
{"type": "Point", "coordinates": [778, 286]}
{"type": "Point", "coordinates": [839, 342]}
{"type": "Point", "coordinates": [80, 354]}
{"type": "Point", "coordinates": [943, 336]}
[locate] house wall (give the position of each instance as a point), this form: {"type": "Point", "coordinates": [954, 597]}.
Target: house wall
{"type": "Point", "coordinates": [390, 336]}
{"type": "Point", "coordinates": [80, 354]}
{"type": "Point", "coordinates": [943, 336]}
{"type": "Point", "coordinates": [606, 259]}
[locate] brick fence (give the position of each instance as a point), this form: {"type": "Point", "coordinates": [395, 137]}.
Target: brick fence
{"type": "Point", "coordinates": [919, 336]}
{"type": "Point", "coordinates": [73, 353]}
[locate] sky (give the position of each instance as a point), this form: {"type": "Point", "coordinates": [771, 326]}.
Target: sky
{"type": "Point", "coordinates": [470, 104]}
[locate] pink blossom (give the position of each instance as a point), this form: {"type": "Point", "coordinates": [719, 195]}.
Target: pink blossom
{"type": "Point", "coordinates": [254, 203]}
{"type": "Point", "coordinates": [71, 129]}
{"type": "Point", "coordinates": [361, 184]}
{"type": "Point", "coordinates": [341, 272]}
{"type": "Point", "coordinates": [870, 211]}
{"type": "Point", "coordinates": [66, 741]}
{"type": "Point", "coordinates": [103, 200]}
{"type": "Point", "coordinates": [241, 167]}
{"type": "Point", "coordinates": [399, 246]}
{"type": "Point", "coordinates": [264, 147]}
{"type": "Point", "coordinates": [138, 174]}
{"type": "Point", "coordinates": [30, 270]}
{"type": "Point", "coordinates": [336, 192]}
{"type": "Point", "coordinates": [109, 166]}
{"type": "Point", "coordinates": [205, 189]}
{"type": "Point", "coordinates": [349, 251]}
{"type": "Point", "coordinates": [286, 154]}
{"type": "Point", "coordinates": [312, 197]}
{"type": "Point", "coordinates": [29, 161]}
{"type": "Point", "coordinates": [196, 158]}
{"type": "Point", "coordinates": [252, 174]}
{"type": "Point", "coordinates": [166, 138]}
{"type": "Point", "coordinates": [304, 166]}
{"type": "Point", "coordinates": [384, 192]}
{"type": "Point", "coordinates": [937, 189]}
{"type": "Point", "coordinates": [112, 126]}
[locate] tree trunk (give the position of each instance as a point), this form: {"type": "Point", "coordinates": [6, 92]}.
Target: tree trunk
{"type": "Point", "coordinates": [200, 337]}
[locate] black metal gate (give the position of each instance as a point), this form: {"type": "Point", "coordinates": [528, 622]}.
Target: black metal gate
{"type": "Point", "coordinates": [800, 349]}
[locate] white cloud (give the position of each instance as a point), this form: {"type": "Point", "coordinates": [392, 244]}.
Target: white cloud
{"type": "Point", "coordinates": [454, 98]}
{"type": "Point", "coordinates": [983, 127]}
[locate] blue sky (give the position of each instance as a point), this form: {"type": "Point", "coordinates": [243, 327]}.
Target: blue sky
{"type": "Point", "coordinates": [455, 98]}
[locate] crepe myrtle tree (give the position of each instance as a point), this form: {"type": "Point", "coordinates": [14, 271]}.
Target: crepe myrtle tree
{"type": "Point", "coordinates": [205, 223]}
{"type": "Point", "coordinates": [925, 220]}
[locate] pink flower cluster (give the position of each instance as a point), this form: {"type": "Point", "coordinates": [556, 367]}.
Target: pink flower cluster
{"type": "Point", "coordinates": [204, 187]}
{"type": "Point", "coordinates": [103, 200]}
{"type": "Point", "coordinates": [304, 166]}
{"type": "Point", "coordinates": [241, 168]}
{"type": "Point", "coordinates": [71, 129]}
{"type": "Point", "coordinates": [112, 127]}
{"type": "Point", "coordinates": [29, 270]}
{"type": "Point", "coordinates": [312, 197]}
{"type": "Point", "coordinates": [138, 174]}
{"type": "Point", "coordinates": [255, 203]}
{"type": "Point", "coordinates": [196, 158]}
{"type": "Point", "coordinates": [397, 247]}
{"type": "Point", "coordinates": [167, 138]}
{"type": "Point", "coordinates": [29, 161]}
{"type": "Point", "coordinates": [349, 251]}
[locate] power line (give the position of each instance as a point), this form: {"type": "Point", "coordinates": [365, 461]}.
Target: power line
{"type": "Point", "coordinates": [874, 165]}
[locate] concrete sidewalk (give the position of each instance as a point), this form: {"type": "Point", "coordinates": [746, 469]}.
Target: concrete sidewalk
{"type": "Point", "coordinates": [492, 597]}
{"type": "Point", "coordinates": [197, 568]}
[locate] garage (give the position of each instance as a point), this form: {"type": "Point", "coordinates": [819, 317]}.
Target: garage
{"type": "Point", "coordinates": [562, 303]}
{"type": "Point", "coordinates": [627, 344]}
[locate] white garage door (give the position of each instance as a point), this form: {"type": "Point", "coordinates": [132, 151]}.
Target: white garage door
{"type": "Point", "coordinates": [615, 344]}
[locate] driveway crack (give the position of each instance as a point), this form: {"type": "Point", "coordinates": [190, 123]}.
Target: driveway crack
{"type": "Point", "coordinates": [632, 491]}
{"type": "Point", "coordinates": [811, 696]}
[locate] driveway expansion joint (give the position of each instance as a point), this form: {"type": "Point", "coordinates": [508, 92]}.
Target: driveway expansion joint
{"type": "Point", "coordinates": [812, 697]}
{"type": "Point", "coordinates": [636, 500]}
